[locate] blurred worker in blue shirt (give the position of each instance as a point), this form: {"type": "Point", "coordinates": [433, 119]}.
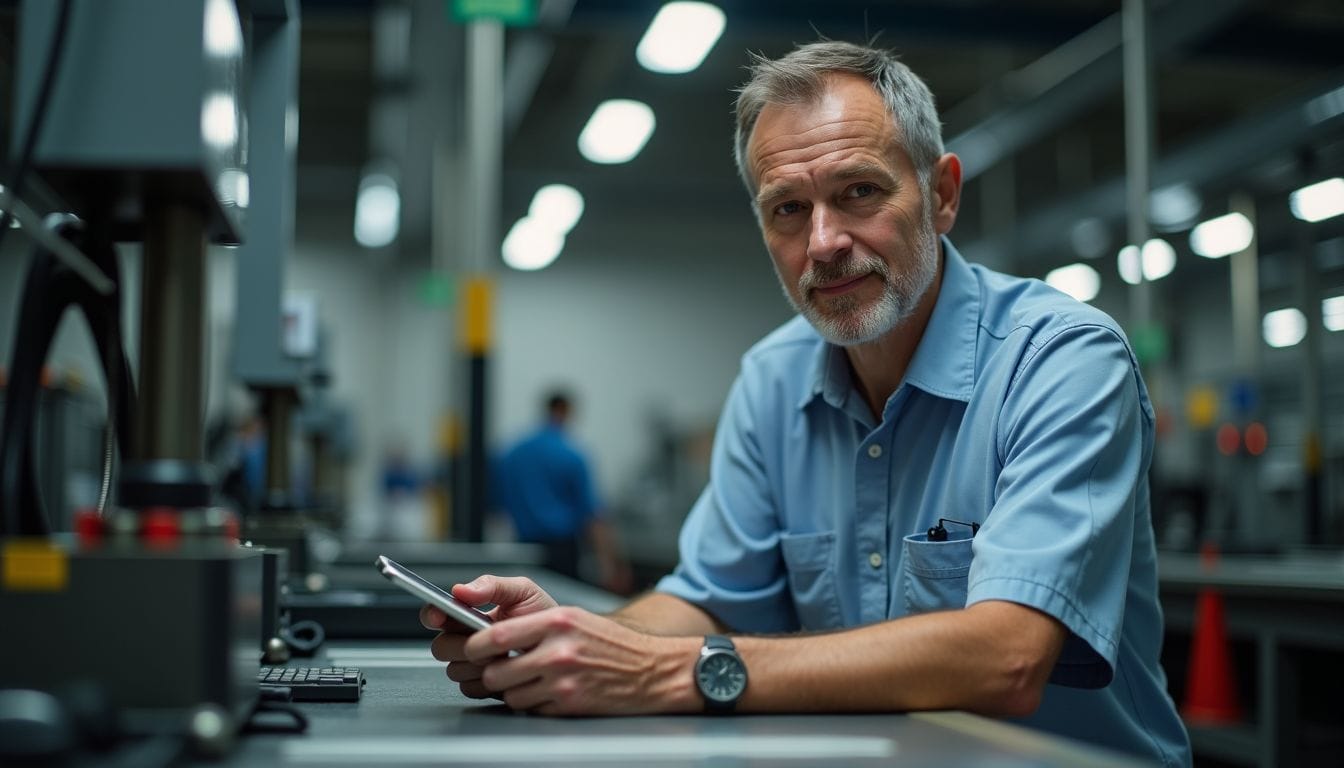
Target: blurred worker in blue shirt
{"type": "Point", "coordinates": [928, 491]}
{"type": "Point", "coordinates": [543, 482]}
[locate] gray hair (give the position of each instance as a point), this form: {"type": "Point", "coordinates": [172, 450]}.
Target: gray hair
{"type": "Point", "coordinates": [799, 77]}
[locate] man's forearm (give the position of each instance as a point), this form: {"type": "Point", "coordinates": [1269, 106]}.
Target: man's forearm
{"type": "Point", "coordinates": [657, 613]}
{"type": "Point", "coordinates": [992, 658]}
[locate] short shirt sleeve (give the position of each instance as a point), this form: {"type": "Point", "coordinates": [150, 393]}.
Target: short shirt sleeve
{"type": "Point", "coordinates": [1074, 441]}
{"type": "Point", "coordinates": [730, 563]}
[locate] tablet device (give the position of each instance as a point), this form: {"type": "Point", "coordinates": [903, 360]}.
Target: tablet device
{"type": "Point", "coordinates": [407, 579]}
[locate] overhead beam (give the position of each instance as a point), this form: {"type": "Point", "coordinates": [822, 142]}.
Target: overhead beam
{"type": "Point", "coordinates": [1250, 141]}
{"type": "Point", "coordinates": [1035, 100]}
{"type": "Point", "coordinates": [528, 56]}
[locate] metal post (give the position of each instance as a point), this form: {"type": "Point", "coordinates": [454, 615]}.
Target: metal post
{"type": "Point", "coordinates": [1138, 143]}
{"type": "Point", "coordinates": [1309, 300]}
{"type": "Point", "coordinates": [172, 335]}
{"type": "Point", "coordinates": [1246, 294]}
{"type": "Point", "coordinates": [1245, 279]}
{"type": "Point", "coordinates": [279, 404]}
{"type": "Point", "coordinates": [485, 125]}
{"type": "Point", "coordinates": [485, 117]}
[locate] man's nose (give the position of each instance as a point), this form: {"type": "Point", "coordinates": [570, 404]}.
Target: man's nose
{"type": "Point", "coordinates": [829, 238]}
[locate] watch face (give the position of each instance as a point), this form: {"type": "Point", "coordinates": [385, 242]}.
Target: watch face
{"type": "Point", "coordinates": [721, 676]}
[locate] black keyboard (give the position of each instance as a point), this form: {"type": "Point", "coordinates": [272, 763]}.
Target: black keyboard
{"type": "Point", "coordinates": [314, 683]}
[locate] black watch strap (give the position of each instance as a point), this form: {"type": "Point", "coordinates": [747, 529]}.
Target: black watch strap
{"type": "Point", "coordinates": [719, 641]}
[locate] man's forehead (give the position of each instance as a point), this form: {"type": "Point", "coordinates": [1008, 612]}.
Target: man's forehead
{"type": "Point", "coordinates": [843, 97]}
{"type": "Point", "coordinates": [837, 93]}
{"type": "Point", "coordinates": [846, 114]}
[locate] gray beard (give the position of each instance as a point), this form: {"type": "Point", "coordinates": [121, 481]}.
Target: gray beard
{"type": "Point", "coordinates": [844, 320]}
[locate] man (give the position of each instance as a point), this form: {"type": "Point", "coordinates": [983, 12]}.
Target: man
{"type": "Point", "coordinates": [543, 482]}
{"type": "Point", "coordinates": [938, 473]}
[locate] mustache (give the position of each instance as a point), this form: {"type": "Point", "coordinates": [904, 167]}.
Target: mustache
{"type": "Point", "coordinates": [820, 274]}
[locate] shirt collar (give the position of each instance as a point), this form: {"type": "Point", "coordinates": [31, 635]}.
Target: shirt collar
{"type": "Point", "coordinates": [944, 361]}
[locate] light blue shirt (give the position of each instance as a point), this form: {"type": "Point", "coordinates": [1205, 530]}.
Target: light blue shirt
{"type": "Point", "coordinates": [1022, 410]}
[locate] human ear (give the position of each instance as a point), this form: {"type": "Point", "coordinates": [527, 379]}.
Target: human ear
{"type": "Point", "coordinates": [946, 192]}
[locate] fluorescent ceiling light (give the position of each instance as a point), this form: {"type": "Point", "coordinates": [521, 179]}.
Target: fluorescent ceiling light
{"type": "Point", "coordinates": [1078, 280]}
{"type": "Point", "coordinates": [680, 37]}
{"type": "Point", "coordinates": [1222, 236]}
{"type": "Point", "coordinates": [377, 211]}
{"type": "Point", "coordinates": [1158, 258]}
{"type": "Point", "coordinates": [1284, 327]}
{"type": "Point", "coordinates": [557, 206]}
{"type": "Point", "coordinates": [1153, 262]}
{"type": "Point", "coordinates": [617, 131]}
{"type": "Point", "coordinates": [1332, 313]}
{"type": "Point", "coordinates": [1319, 201]}
{"type": "Point", "coordinates": [531, 245]}
{"type": "Point", "coordinates": [1127, 263]}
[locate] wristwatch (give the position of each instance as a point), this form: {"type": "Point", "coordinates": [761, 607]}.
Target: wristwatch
{"type": "Point", "coordinates": [720, 674]}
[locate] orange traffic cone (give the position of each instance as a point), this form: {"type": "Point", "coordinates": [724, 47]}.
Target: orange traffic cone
{"type": "Point", "coordinates": [1210, 687]}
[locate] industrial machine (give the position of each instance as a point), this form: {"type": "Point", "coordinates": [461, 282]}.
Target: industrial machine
{"type": "Point", "coordinates": [168, 123]}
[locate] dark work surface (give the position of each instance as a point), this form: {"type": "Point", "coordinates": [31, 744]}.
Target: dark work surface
{"type": "Point", "coordinates": [361, 603]}
{"type": "Point", "coordinates": [411, 714]}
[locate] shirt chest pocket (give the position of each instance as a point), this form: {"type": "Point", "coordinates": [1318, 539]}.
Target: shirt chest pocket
{"type": "Point", "coordinates": [809, 559]}
{"type": "Point", "coordinates": [935, 573]}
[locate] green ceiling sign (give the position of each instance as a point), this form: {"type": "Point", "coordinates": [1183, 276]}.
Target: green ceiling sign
{"type": "Point", "coordinates": [519, 13]}
{"type": "Point", "coordinates": [435, 290]}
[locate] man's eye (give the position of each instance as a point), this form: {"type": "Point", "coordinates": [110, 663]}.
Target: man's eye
{"type": "Point", "coordinates": [861, 190]}
{"type": "Point", "coordinates": [785, 209]}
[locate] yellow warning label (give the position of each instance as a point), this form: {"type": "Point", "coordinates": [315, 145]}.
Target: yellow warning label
{"type": "Point", "coordinates": [476, 315]}
{"type": "Point", "coordinates": [33, 566]}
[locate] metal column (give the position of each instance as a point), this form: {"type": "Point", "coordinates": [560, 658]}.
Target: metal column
{"type": "Point", "coordinates": [258, 358]}
{"type": "Point", "coordinates": [168, 424]}
{"type": "Point", "coordinates": [1309, 300]}
{"type": "Point", "coordinates": [485, 124]}
{"type": "Point", "coordinates": [1245, 279]}
{"type": "Point", "coordinates": [1138, 144]}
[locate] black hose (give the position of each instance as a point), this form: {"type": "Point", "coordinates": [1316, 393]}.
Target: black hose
{"type": "Point", "coordinates": [39, 112]}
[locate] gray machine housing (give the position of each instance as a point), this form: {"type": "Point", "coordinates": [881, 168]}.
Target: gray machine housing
{"type": "Point", "coordinates": [130, 114]}
{"type": "Point", "coordinates": [161, 633]}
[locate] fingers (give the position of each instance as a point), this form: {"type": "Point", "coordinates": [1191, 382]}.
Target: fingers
{"type": "Point", "coordinates": [431, 617]}
{"type": "Point", "coordinates": [473, 689]}
{"type": "Point", "coordinates": [515, 595]}
{"type": "Point", "coordinates": [448, 647]}
{"type": "Point", "coordinates": [464, 672]}
{"type": "Point", "coordinates": [468, 679]}
{"type": "Point", "coordinates": [521, 633]}
{"type": "Point", "coordinates": [528, 696]}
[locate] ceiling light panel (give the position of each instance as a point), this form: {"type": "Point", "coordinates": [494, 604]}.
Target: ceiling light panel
{"type": "Point", "coordinates": [1319, 201]}
{"type": "Point", "coordinates": [1078, 280]}
{"type": "Point", "coordinates": [1222, 236]}
{"type": "Point", "coordinates": [617, 131]}
{"type": "Point", "coordinates": [680, 36]}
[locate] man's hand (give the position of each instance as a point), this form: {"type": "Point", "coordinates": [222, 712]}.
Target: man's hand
{"type": "Point", "coordinates": [572, 662]}
{"type": "Point", "coordinates": [514, 596]}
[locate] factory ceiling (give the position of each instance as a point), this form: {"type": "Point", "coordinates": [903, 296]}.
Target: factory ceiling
{"type": "Point", "coordinates": [1247, 94]}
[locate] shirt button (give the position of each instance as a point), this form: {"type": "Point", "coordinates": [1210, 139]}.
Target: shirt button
{"type": "Point", "coordinates": [874, 450]}
{"type": "Point", "coordinates": [875, 560]}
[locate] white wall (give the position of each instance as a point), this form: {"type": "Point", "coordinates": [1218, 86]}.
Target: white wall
{"type": "Point", "coordinates": [656, 325]}
{"type": "Point", "coordinates": [653, 317]}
